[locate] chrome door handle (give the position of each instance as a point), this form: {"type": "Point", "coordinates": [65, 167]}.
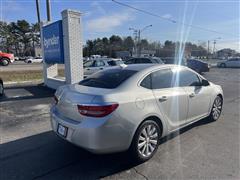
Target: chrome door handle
{"type": "Point", "coordinates": [191, 95]}
{"type": "Point", "coordinates": [162, 99]}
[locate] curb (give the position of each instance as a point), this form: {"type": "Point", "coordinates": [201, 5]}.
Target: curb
{"type": "Point", "coordinates": [12, 83]}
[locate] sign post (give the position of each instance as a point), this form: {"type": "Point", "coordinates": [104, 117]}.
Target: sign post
{"type": "Point", "coordinates": [62, 44]}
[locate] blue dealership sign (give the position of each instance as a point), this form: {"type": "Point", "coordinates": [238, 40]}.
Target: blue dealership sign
{"type": "Point", "coordinates": [53, 43]}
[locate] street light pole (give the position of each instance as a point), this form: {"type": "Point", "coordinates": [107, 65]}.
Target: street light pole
{"type": "Point", "coordinates": [214, 46]}
{"type": "Point", "coordinates": [139, 31]}
{"type": "Point", "coordinates": [38, 12]}
{"type": "Point", "coordinates": [208, 49]}
{"type": "Point", "coordinates": [48, 10]}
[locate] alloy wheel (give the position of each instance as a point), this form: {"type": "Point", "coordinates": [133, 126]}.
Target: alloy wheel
{"type": "Point", "coordinates": [217, 108]}
{"type": "Point", "coordinates": [148, 140]}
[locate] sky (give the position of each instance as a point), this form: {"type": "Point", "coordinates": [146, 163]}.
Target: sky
{"type": "Point", "coordinates": [105, 18]}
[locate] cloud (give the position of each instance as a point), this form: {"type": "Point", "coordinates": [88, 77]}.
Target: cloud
{"type": "Point", "coordinates": [167, 16]}
{"type": "Point", "coordinates": [96, 5]}
{"type": "Point", "coordinates": [107, 23]}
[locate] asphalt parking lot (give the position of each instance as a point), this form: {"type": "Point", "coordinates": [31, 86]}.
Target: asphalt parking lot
{"type": "Point", "coordinates": [30, 150]}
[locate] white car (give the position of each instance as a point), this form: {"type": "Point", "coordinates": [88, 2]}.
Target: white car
{"type": "Point", "coordinates": [34, 60]}
{"type": "Point", "coordinates": [95, 65]}
{"type": "Point", "coordinates": [130, 107]}
{"type": "Point", "coordinates": [231, 63]}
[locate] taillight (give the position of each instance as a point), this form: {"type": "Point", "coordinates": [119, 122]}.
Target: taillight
{"type": "Point", "coordinates": [96, 110]}
{"type": "Point", "coordinates": [55, 99]}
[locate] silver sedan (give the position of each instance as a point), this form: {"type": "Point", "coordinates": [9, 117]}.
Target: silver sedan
{"type": "Point", "coordinates": [230, 63]}
{"type": "Point", "coordinates": [132, 107]}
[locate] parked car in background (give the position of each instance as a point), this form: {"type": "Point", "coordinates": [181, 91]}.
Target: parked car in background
{"type": "Point", "coordinates": [174, 60]}
{"type": "Point", "coordinates": [1, 87]}
{"type": "Point", "coordinates": [198, 65]}
{"type": "Point", "coordinates": [131, 107]}
{"type": "Point", "coordinates": [232, 63]}
{"type": "Point", "coordinates": [93, 66]}
{"type": "Point", "coordinates": [144, 60]}
{"type": "Point", "coordinates": [34, 60]}
{"type": "Point", "coordinates": [6, 58]}
{"type": "Point", "coordinates": [23, 58]}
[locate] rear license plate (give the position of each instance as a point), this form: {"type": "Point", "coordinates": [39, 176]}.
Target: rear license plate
{"type": "Point", "coordinates": [62, 130]}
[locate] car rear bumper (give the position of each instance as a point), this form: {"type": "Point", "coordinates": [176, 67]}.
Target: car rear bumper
{"type": "Point", "coordinates": [95, 135]}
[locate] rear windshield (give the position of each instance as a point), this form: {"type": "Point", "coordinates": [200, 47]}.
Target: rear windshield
{"type": "Point", "coordinates": [108, 79]}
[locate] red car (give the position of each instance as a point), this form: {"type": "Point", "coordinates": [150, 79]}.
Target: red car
{"type": "Point", "coordinates": [6, 58]}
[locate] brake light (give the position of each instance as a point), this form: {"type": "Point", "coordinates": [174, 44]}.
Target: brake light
{"type": "Point", "coordinates": [96, 110]}
{"type": "Point", "coordinates": [55, 99]}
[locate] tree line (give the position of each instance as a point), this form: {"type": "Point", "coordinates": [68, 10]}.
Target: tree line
{"type": "Point", "coordinates": [19, 37]}
{"type": "Point", "coordinates": [22, 37]}
{"type": "Point", "coordinates": [109, 46]}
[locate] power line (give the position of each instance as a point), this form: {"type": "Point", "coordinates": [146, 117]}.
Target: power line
{"type": "Point", "coordinates": [171, 20]}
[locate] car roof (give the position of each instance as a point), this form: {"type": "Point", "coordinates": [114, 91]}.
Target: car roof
{"type": "Point", "coordinates": [140, 67]}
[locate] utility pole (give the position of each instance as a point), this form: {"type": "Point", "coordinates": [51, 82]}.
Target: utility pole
{"type": "Point", "coordinates": [48, 10]}
{"type": "Point", "coordinates": [38, 12]}
{"type": "Point", "coordinates": [214, 46]}
{"type": "Point", "coordinates": [208, 49]}
{"type": "Point", "coordinates": [138, 32]}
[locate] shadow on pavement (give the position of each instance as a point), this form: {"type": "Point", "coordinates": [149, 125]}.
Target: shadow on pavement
{"type": "Point", "coordinates": [26, 92]}
{"type": "Point", "coordinates": [45, 156]}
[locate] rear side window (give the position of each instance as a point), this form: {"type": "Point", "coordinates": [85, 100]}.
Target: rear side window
{"type": "Point", "coordinates": [147, 82]}
{"type": "Point", "coordinates": [108, 79]}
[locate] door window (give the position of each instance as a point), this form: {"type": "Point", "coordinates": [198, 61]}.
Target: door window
{"type": "Point", "coordinates": [130, 61]}
{"type": "Point", "coordinates": [185, 77]}
{"type": "Point", "coordinates": [88, 64]}
{"type": "Point", "coordinates": [145, 60]}
{"type": "Point", "coordinates": [99, 63]}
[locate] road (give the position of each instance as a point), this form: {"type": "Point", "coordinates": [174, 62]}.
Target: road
{"type": "Point", "coordinates": [22, 66]}
{"type": "Point", "coordinates": [30, 150]}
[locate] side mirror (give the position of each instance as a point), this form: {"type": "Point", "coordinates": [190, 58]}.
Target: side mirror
{"type": "Point", "coordinates": [205, 82]}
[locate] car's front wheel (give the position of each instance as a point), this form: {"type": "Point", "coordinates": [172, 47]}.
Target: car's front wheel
{"type": "Point", "coordinates": [216, 109]}
{"type": "Point", "coordinates": [146, 140]}
{"type": "Point", "coordinates": [5, 61]}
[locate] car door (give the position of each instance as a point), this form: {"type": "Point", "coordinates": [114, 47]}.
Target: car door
{"type": "Point", "coordinates": [97, 66]}
{"type": "Point", "coordinates": [172, 101]}
{"type": "Point", "coordinates": [88, 67]}
{"type": "Point", "coordinates": [237, 63]}
{"type": "Point", "coordinates": [231, 63]}
{"type": "Point", "coordinates": [198, 96]}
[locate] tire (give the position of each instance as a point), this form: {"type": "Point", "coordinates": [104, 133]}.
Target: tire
{"type": "Point", "coordinates": [145, 141]}
{"type": "Point", "coordinates": [216, 109]}
{"type": "Point", "coordinates": [5, 61]}
{"type": "Point", "coordinates": [1, 89]}
{"type": "Point", "coordinates": [29, 62]}
{"type": "Point", "coordinates": [223, 65]}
